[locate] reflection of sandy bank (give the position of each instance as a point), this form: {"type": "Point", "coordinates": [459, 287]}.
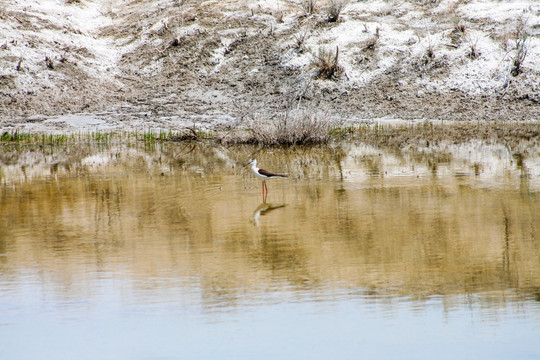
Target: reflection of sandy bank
{"type": "Point", "coordinates": [34, 164]}
{"type": "Point", "coordinates": [488, 165]}
{"type": "Point", "coordinates": [380, 234]}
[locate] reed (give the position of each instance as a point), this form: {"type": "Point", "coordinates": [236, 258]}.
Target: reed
{"type": "Point", "coordinates": [57, 139]}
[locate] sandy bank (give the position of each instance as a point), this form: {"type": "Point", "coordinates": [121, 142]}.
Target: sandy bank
{"type": "Point", "coordinates": [100, 65]}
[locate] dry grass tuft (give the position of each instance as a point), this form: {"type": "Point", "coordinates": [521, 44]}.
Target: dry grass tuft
{"type": "Point", "coordinates": [458, 33]}
{"type": "Point", "coordinates": [371, 43]}
{"type": "Point", "coordinates": [473, 51]}
{"type": "Point", "coordinates": [49, 63]}
{"type": "Point", "coordinates": [309, 6]}
{"type": "Point", "coordinates": [278, 15]}
{"type": "Point", "coordinates": [334, 9]}
{"type": "Point", "coordinates": [300, 41]}
{"type": "Point", "coordinates": [297, 128]}
{"type": "Point", "coordinates": [519, 56]}
{"type": "Point", "coordinates": [326, 62]}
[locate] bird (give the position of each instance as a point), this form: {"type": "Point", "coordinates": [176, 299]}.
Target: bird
{"type": "Point", "coordinates": [264, 174]}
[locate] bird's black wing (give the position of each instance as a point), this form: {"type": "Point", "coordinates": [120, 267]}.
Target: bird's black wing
{"type": "Point", "coordinates": [269, 174]}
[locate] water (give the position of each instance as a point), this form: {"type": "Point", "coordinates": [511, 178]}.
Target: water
{"type": "Point", "coordinates": [168, 252]}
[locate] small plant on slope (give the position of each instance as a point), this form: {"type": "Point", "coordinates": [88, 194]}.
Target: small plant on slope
{"type": "Point", "coordinates": [326, 63]}
{"type": "Point", "coordinates": [335, 9]}
{"type": "Point", "coordinates": [519, 57]}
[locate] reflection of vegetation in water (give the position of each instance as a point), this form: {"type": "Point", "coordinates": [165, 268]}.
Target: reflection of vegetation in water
{"type": "Point", "coordinates": [184, 210]}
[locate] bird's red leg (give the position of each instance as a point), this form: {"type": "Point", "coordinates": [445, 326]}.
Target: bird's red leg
{"type": "Point", "coordinates": [265, 191]}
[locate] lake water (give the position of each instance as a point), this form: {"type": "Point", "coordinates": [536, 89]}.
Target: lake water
{"type": "Point", "coordinates": [169, 252]}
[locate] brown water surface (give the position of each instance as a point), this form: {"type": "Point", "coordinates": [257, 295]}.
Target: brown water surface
{"type": "Point", "coordinates": [127, 233]}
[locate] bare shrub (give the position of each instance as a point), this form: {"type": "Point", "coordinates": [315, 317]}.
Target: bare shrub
{"type": "Point", "coordinates": [452, 7]}
{"type": "Point", "coordinates": [334, 9]}
{"type": "Point", "coordinates": [473, 51]}
{"type": "Point", "coordinates": [458, 33]}
{"type": "Point", "coordinates": [460, 28]}
{"type": "Point", "coordinates": [300, 40]}
{"type": "Point", "coordinates": [49, 63]}
{"type": "Point", "coordinates": [429, 54]}
{"type": "Point", "coordinates": [326, 63]}
{"type": "Point", "coordinates": [19, 64]}
{"type": "Point", "coordinates": [279, 16]}
{"type": "Point", "coordinates": [371, 43]}
{"type": "Point", "coordinates": [519, 56]}
{"type": "Point", "coordinates": [291, 128]}
{"type": "Point", "coordinates": [309, 6]}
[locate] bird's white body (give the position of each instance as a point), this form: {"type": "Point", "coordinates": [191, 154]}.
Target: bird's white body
{"type": "Point", "coordinates": [261, 172]}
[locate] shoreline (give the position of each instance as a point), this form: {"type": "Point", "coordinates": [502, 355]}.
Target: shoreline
{"type": "Point", "coordinates": [518, 136]}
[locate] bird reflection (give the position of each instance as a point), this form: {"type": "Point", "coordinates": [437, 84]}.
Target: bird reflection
{"type": "Point", "coordinates": [264, 209]}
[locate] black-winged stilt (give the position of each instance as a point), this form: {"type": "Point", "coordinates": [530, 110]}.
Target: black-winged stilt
{"type": "Point", "coordinates": [264, 174]}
